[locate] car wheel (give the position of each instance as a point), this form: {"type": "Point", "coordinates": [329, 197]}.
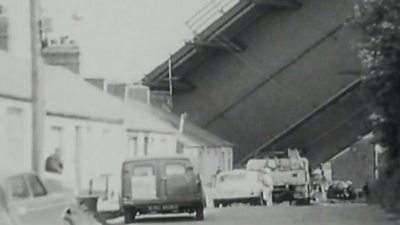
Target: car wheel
{"type": "Point", "coordinates": [224, 204]}
{"type": "Point", "coordinates": [216, 204]}
{"type": "Point", "coordinates": [200, 213]}
{"type": "Point", "coordinates": [129, 216]}
{"type": "Point", "coordinates": [261, 200]}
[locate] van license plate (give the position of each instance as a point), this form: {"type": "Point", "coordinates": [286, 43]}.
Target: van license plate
{"type": "Point", "coordinates": [169, 207]}
{"type": "Point", "coordinates": [155, 208]}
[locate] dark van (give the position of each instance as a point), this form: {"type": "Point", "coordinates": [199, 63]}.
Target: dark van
{"type": "Point", "coordinates": [160, 185]}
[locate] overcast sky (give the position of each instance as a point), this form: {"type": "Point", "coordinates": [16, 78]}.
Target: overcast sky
{"type": "Point", "coordinates": [123, 39]}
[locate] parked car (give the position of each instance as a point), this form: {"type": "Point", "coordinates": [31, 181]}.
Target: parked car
{"type": "Point", "coordinates": [161, 185]}
{"type": "Point", "coordinates": [29, 201]}
{"type": "Point", "coordinates": [6, 216]}
{"type": "Point", "coordinates": [242, 186]}
{"type": "Point", "coordinates": [342, 191]}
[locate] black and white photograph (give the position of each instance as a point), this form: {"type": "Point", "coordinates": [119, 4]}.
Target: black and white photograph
{"type": "Point", "coordinates": [209, 112]}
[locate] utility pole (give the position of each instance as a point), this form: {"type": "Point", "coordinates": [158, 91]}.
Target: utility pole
{"type": "Point", "coordinates": [170, 82]}
{"type": "Point", "coordinates": [38, 112]}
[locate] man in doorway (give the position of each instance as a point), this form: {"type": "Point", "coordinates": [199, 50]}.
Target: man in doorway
{"type": "Point", "coordinates": [54, 162]}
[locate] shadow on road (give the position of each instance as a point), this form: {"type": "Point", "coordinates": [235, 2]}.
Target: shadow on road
{"type": "Point", "coordinates": [165, 219]}
{"type": "Point", "coordinates": [160, 219]}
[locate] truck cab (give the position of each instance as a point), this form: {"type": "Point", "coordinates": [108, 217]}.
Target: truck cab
{"type": "Point", "coordinates": [290, 175]}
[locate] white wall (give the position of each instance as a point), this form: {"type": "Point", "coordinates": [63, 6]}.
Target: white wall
{"type": "Point", "coordinates": [158, 144]}
{"type": "Point", "coordinates": [206, 161]}
{"type": "Point", "coordinates": [90, 149]}
{"type": "Point", "coordinates": [15, 133]}
{"type": "Point", "coordinates": [17, 12]}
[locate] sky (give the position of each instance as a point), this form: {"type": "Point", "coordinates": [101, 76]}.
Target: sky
{"type": "Point", "coordinates": [122, 40]}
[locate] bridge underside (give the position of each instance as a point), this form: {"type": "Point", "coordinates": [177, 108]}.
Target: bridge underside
{"type": "Point", "coordinates": [329, 129]}
{"type": "Point", "coordinates": [290, 79]}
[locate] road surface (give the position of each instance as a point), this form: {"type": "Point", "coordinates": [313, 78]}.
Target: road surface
{"type": "Point", "coordinates": [280, 215]}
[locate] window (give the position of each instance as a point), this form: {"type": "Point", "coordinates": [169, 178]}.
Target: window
{"type": "Point", "coordinates": [179, 148]}
{"type": "Point", "coordinates": [36, 186]}
{"type": "Point", "coordinates": [133, 146]}
{"type": "Point", "coordinates": [223, 160]}
{"type": "Point", "coordinates": [142, 171]}
{"type": "Point", "coordinates": [175, 169]}
{"type": "Point", "coordinates": [18, 187]}
{"type": "Point", "coordinates": [15, 133]}
{"type": "Point", "coordinates": [146, 145]}
{"type": "Point", "coordinates": [78, 154]}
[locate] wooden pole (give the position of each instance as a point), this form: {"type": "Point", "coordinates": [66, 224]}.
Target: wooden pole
{"type": "Point", "coordinates": [38, 112]}
{"type": "Point", "coordinates": [170, 81]}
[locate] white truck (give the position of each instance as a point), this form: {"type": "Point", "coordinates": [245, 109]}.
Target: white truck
{"type": "Point", "coordinates": [290, 175]}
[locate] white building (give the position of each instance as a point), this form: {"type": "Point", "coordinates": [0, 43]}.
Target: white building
{"type": "Point", "coordinates": [92, 128]}
{"type": "Point", "coordinates": [17, 14]}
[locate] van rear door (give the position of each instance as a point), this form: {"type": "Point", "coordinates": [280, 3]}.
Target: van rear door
{"type": "Point", "coordinates": [140, 181]}
{"type": "Point", "coordinates": [178, 179]}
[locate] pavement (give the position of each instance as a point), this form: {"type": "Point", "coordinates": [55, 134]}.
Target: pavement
{"type": "Point", "coordinates": [330, 214]}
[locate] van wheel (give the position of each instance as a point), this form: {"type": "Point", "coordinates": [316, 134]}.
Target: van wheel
{"type": "Point", "coordinates": [129, 216]}
{"type": "Point", "coordinates": [200, 213]}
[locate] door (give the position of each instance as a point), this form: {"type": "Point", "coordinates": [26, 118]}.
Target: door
{"type": "Point", "coordinates": [140, 181]}
{"type": "Point", "coordinates": [178, 180]}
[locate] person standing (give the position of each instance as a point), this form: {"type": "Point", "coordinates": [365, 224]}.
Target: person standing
{"type": "Point", "coordinates": [366, 190]}
{"type": "Point", "coordinates": [268, 186]}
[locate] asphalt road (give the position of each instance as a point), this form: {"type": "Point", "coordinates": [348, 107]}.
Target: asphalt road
{"type": "Point", "coordinates": [280, 215]}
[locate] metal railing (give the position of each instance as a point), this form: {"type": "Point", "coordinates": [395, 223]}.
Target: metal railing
{"type": "Point", "coordinates": [208, 14]}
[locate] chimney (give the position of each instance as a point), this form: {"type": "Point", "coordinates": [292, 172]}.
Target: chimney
{"type": "Point", "coordinates": [3, 29]}
{"type": "Point", "coordinates": [139, 93]}
{"type": "Point", "coordinates": [62, 52]}
{"type": "Point", "coordinates": [99, 83]}
{"type": "Point", "coordinates": [161, 99]}
{"type": "Point", "coordinates": [118, 90]}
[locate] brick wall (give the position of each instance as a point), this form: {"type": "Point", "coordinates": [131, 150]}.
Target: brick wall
{"type": "Point", "coordinates": [355, 164]}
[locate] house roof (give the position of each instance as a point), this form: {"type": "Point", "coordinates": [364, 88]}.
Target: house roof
{"type": "Point", "coordinates": [68, 95]}
{"type": "Point", "coordinates": [191, 132]}
{"type": "Point", "coordinates": [142, 119]}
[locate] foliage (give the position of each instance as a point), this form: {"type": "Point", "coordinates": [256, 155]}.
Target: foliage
{"type": "Point", "coordinates": [380, 56]}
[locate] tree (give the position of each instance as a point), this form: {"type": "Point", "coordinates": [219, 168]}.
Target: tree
{"type": "Point", "coordinates": [380, 55]}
